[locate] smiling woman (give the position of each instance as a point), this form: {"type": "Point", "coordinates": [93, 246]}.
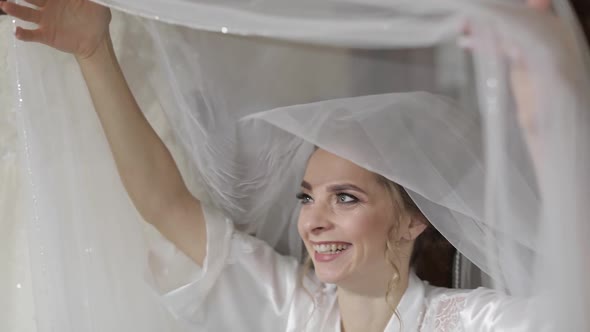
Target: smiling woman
{"type": "Point", "coordinates": [358, 231]}
{"type": "Point", "coordinates": [345, 205]}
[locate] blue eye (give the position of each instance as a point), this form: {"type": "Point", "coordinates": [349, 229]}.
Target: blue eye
{"type": "Point", "coordinates": [304, 198]}
{"type": "Point", "coordinates": [346, 199]}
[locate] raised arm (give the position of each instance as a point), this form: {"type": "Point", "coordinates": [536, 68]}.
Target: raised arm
{"type": "Point", "coordinates": [145, 165]}
{"type": "Point", "coordinates": [522, 83]}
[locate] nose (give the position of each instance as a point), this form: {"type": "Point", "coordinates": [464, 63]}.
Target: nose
{"type": "Point", "coordinates": [315, 219]}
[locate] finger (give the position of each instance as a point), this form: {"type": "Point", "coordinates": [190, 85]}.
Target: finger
{"type": "Point", "coordinates": [543, 5]}
{"type": "Point", "coordinates": [38, 3]}
{"type": "Point", "coordinates": [22, 12]}
{"type": "Point", "coordinates": [29, 35]}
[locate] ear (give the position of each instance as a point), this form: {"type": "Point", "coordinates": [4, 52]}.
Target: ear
{"type": "Point", "coordinates": [417, 225]}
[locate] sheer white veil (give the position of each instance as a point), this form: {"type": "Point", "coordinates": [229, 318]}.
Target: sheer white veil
{"type": "Point", "coordinates": [242, 91]}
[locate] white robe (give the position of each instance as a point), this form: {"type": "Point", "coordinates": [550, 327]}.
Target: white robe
{"type": "Point", "coordinates": [245, 285]}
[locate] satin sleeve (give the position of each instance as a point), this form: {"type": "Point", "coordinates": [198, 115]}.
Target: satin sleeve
{"type": "Point", "coordinates": [243, 285]}
{"type": "Point", "coordinates": [482, 310]}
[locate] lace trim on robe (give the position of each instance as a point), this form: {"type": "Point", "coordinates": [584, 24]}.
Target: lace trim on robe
{"type": "Point", "coordinates": [444, 314]}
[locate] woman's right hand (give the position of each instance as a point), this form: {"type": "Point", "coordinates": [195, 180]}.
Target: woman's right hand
{"type": "Point", "coordinates": [72, 26]}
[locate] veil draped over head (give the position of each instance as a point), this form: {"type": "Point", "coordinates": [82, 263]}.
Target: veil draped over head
{"type": "Point", "coordinates": [242, 91]}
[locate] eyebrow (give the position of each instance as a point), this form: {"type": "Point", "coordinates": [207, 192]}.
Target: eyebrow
{"type": "Point", "coordinates": [335, 187]}
{"type": "Point", "coordinates": [306, 185]}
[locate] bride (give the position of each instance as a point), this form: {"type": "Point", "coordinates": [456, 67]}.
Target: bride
{"type": "Point", "coordinates": [359, 227]}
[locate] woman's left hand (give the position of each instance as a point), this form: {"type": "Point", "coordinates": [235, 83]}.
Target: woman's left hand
{"type": "Point", "coordinates": [522, 83]}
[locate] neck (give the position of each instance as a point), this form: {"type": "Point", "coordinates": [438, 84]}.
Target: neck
{"type": "Point", "coordinates": [363, 311]}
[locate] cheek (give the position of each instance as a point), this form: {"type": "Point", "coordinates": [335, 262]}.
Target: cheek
{"type": "Point", "coordinates": [301, 224]}
{"type": "Point", "coordinates": [369, 228]}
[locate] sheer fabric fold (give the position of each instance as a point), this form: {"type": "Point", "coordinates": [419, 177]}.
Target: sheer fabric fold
{"type": "Point", "coordinates": [241, 92]}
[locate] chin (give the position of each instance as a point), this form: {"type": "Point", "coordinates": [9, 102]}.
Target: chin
{"type": "Point", "coordinates": [332, 273]}
{"type": "Point", "coordinates": [329, 277]}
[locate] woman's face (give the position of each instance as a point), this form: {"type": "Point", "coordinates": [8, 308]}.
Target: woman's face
{"type": "Point", "coordinates": [345, 219]}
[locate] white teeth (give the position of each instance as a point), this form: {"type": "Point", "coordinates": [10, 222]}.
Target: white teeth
{"type": "Point", "coordinates": [330, 248]}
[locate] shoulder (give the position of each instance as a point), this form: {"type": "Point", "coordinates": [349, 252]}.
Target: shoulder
{"type": "Point", "coordinates": [440, 297]}
{"type": "Point", "coordinates": [464, 310]}
{"type": "Point", "coordinates": [443, 307]}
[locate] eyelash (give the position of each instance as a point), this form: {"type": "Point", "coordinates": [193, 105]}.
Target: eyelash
{"type": "Point", "coordinates": [305, 198]}
{"type": "Point", "coordinates": [352, 197]}
{"type": "Point", "coordinates": [301, 197]}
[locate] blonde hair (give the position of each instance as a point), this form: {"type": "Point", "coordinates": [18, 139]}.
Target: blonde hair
{"type": "Point", "coordinates": [406, 208]}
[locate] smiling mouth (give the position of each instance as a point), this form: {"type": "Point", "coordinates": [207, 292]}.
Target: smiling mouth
{"type": "Point", "coordinates": [333, 248]}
